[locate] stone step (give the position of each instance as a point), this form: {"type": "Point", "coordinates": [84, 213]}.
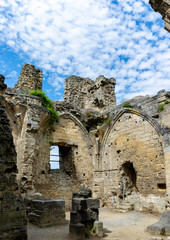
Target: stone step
{"type": "Point", "coordinates": [124, 208]}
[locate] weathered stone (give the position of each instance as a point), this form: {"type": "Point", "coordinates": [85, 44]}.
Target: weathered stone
{"type": "Point", "coordinates": [163, 7]}
{"type": "Point", "coordinates": [84, 193]}
{"type": "Point", "coordinates": [98, 225]}
{"type": "Point", "coordinates": [87, 94]}
{"type": "Point", "coordinates": [45, 212]}
{"type": "Point", "coordinates": [77, 231]}
{"type": "Point", "coordinates": [12, 211]}
{"type": "Point", "coordinates": [75, 217]}
{"type": "Point", "coordinates": [3, 86]}
{"type": "Point", "coordinates": [110, 149]}
{"type": "Point", "coordinates": [29, 79]}
{"type": "Point", "coordinates": [163, 226]}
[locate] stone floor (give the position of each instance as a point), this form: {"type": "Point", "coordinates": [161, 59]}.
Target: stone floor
{"type": "Point", "coordinates": [117, 226]}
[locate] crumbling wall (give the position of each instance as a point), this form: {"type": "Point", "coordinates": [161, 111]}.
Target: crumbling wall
{"type": "Point", "coordinates": [163, 7]}
{"type": "Point", "coordinates": [134, 151]}
{"type": "Point", "coordinates": [12, 212]}
{"type": "Point", "coordinates": [149, 105]}
{"type": "Point", "coordinates": [27, 119]}
{"type": "Point", "coordinates": [131, 144]}
{"type": "Point", "coordinates": [87, 94]}
{"type": "Point", "coordinates": [70, 135]}
{"type": "Point", "coordinates": [29, 79]}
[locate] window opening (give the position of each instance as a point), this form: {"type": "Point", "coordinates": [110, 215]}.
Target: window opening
{"type": "Point", "coordinates": [54, 158]}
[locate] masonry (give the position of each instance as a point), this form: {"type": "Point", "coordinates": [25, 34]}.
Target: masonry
{"type": "Point", "coordinates": [12, 211]}
{"type": "Point", "coordinates": [163, 7]}
{"type": "Point", "coordinates": [120, 152]}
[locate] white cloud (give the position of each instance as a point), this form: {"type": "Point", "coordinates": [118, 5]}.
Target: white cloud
{"type": "Point", "coordinates": [89, 38]}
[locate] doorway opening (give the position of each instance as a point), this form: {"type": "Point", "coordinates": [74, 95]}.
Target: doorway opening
{"type": "Point", "coordinates": [128, 179]}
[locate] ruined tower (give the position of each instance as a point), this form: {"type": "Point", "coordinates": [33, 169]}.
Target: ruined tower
{"type": "Point", "coordinates": [85, 93]}
{"type": "Point", "coordinates": [29, 79]}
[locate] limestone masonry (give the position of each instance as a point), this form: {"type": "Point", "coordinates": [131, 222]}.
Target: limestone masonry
{"type": "Point", "coordinates": [12, 210]}
{"type": "Point", "coordinates": [121, 152]}
{"type": "Point", "coordinates": [163, 7]}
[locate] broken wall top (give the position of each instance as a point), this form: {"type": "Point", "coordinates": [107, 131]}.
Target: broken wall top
{"type": "Point", "coordinates": [163, 7]}
{"type": "Point", "coordinates": [29, 79]}
{"type": "Point", "coordinates": [84, 93]}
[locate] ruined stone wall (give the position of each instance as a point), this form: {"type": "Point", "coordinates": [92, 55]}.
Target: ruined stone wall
{"type": "Point", "coordinates": [29, 79]}
{"type": "Point", "coordinates": [84, 133]}
{"type": "Point", "coordinates": [69, 134]}
{"type": "Point", "coordinates": [149, 105]}
{"type": "Point", "coordinates": [132, 140]}
{"type": "Point", "coordinates": [87, 94]}
{"type": "Point", "coordinates": [12, 212]}
{"type": "Point", "coordinates": [27, 118]}
{"type": "Point", "coordinates": [163, 7]}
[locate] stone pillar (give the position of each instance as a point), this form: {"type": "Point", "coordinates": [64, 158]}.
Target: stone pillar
{"type": "Point", "coordinates": [29, 79]}
{"type": "Point", "coordinates": [12, 211]}
{"type": "Point", "coordinates": [84, 213]}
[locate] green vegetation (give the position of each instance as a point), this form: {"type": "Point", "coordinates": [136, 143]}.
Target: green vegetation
{"type": "Point", "coordinates": [127, 105]}
{"type": "Point", "coordinates": [88, 114]}
{"type": "Point", "coordinates": [108, 120]}
{"type": "Point", "coordinates": [47, 103]}
{"type": "Point", "coordinates": [161, 106]}
{"type": "Point", "coordinates": [93, 230]}
{"type": "Point", "coordinates": [166, 102]}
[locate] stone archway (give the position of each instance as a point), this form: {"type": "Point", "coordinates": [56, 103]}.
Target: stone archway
{"type": "Point", "coordinates": [132, 149]}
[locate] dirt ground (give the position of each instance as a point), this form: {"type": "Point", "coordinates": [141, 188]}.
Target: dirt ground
{"type": "Point", "coordinates": [117, 226]}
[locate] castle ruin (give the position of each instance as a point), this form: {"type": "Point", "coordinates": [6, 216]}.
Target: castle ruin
{"type": "Point", "coordinates": [120, 152]}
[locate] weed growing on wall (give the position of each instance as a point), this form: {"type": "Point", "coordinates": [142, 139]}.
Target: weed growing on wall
{"type": "Point", "coordinates": [47, 103]}
{"type": "Point", "coordinates": [127, 105]}
{"type": "Point", "coordinates": [161, 106]}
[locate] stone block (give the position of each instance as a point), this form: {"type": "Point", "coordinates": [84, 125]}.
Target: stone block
{"type": "Point", "coordinates": [163, 226]}
{"type": "Point", "coordinates": [98, 225]}
{"type": "Point", "coordinates": [93, 203]}
{"type": "Point", "coordinates": [75, 217]}
{"type": "Point", "coordinates": [84, 193]}
{"type": "Point", "coordinates": [89, 215]}
{"type": "Point", "coordinates": [46, 212]}
{"type": "Point", "coordinates": [77, 231]}
{"type": "Point", "coordinates": [78, 204]}
{"type": "Point", "coordinates": [156, 238]}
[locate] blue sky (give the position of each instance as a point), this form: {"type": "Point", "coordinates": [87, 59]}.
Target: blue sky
{"type": "Point", "coordinates": [121, 39]}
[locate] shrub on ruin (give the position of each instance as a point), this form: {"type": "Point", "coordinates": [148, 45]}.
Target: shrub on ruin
{"type": "Point", "coordinates": [161, 107]}
{"type": "Point", "coordinates": [47, 103]}
{"type": "Point", "coordinates": [166, 102]}
{"type": "Point", "coordinates": [127, 105]}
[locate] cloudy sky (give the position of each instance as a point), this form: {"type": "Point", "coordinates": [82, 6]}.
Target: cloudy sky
{"type": "Point", "coordinates": [121, 39]}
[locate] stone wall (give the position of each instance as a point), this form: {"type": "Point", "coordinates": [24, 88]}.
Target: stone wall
{"type": "Point", "coordinates": [27, 119]}
{"type": "Point", "coordinates": [29, 79]}
{"type": "Point", "coordinates": [71, 136]}
{"type": "Point", "coordinates": [87, 94]}
{"type": "Point", "coordinates": [163, 7]}
{"type": "Point", "coordinates": [131, 158]}
{"type": "Point", "coordinates": [102, 147]}
{"type": "Point", "coordinates": [12, 211]}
